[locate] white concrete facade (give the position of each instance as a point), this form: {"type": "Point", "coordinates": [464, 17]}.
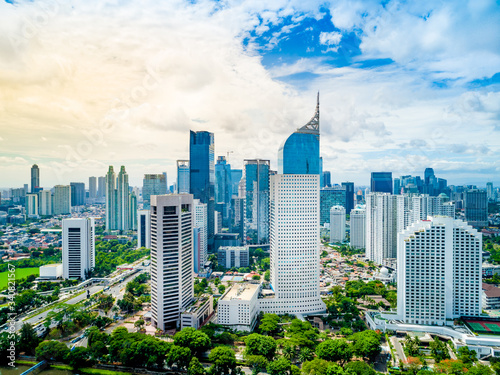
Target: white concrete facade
{"type": "Point", "coordinates": [51, 271]}
{"type": "Point", "coordinates": [238, 308]}
{"type": "Point", "coordinates": [358, 228]}
{"type": "Point", "coordinates": [200, 221]}
{"type": "Point", "coordinates": [45, 197]}
{"type": "Point", "coordinates": [78, 252]}
{"type": "Point", "coordinates": [337, 224]}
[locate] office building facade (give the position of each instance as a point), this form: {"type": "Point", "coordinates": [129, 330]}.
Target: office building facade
{"type": "Point", "coordinates": [182, 176]}
{"type": "Point", "coordinates": [329, 197]}
{"type": "Point", "coordinates": [32, 205]}
{"type": "Point", "coordinates": [476, 207]}
{"type": "Point", "coordinates": [78, 252]}
{"type": "Point", "coordinates": [77, 193]}
{"type": "Point", "coordinates": [46, 205]}
{"type": "Point", "coordinates": [35, 178]}
{"type": "Point", "coordinates": [337, 224]}
{"type": "Point", "coordinates": [381, 182]}
{"type": "Point", "coordinates": [349, 195]}
{"type": "Point", "coordinates": [257, 201]}
{"type": "Point", "coordinates": [62, 200]}
{"type": "Point", "coordinates": [233, 256]}
{"type": "Point", "coordinates": [201, 240]}
{"type": "Point", "coordinates": [358, 228]}
{"type": "Point", "coordinates": [144, 229]}
{"type": "Point", "coordinates": [223, 189]}
{"type": "Point", "coordinates": [153, 184]}
{"type": "Point", "coordinates": [92, 187]}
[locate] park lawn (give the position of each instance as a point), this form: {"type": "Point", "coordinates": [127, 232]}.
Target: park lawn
{"type": "Point", "coordinates": [21, 273]}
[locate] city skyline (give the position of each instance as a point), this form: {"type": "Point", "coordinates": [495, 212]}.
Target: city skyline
{"type": "Point", "coordinates": [402, 87]}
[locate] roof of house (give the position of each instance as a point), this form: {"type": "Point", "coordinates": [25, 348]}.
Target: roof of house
{"type": "Point", "coordinates": [491, 290]}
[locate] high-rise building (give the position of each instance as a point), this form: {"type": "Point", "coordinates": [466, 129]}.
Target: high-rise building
{"type": "Point", "coordinates": [166, 183]}
{"type": "Point", "coordinates": [200, 242]}
{"type": "Point", "coordinates": [327, 179]}
{"type": "Point", "coordinates": [202, 175]}
{"type": "Point", "coordinates": [381, 182]}
{"type": "Point", "coordinates": [233, 256]}
{"type": "Point", "coordinates": [171, 258]}
{"type": "Point", "coordinates": [337, 224]}
{"type": "Point", "coordinates": [257, 201]}
{"type": "Point", "coordinates": [78, 251]}
{"type": "Point", "coordinates": [92, 187]}
{"type": "Point", "coordinates": [144, 229]}
{"type": "Point", "coordinates": [490, 192]}
{"type": "Point", "coordinates": [45, 198]}
{"type": "Point", "coordinates": [476, 208]}
{"type": "Point", "coordinates": [101, 187]}
{"type": "Point", "coordinates": [62, 199]}
{"type": "Point", "coordinates": [32, 205]}
{"type": "Point", "coordinates": [132, 213]}
{"type": "Point", "coordinates": [223, 189]}
{"type": "Point", "coordinates": [349, 195]}
{"type": "Point", "coordinates": [35, 178]}
{"type": "Point", "coordinates": [236, 176]}
{"type": "Point", "coordinates": [153, 184]}
{"type": "Point", "coordinates": [329, 197]}
{"type": "Point", "coordinates": [439, 271]}
{"type": "Point", "coordinates": [294, 225]}
{"type": "Point", "coordinates": [358, 228]}
{"type": "Point", "coordinates": [77, 193]}
{"type": "Point", "coordinates": [118, 213]}
{"type": "Point", "coordinates": [183, 176]}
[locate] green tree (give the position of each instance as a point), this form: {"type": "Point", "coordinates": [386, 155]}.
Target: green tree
{"type": "Point", "coordinates": [305, 354]}
{"type": "Point", "coordinates": [223, 361]}
{"type": "Point", "coordinates": [281, 366]}
{"type": "Point", "coordinates": [359, 368]}
{"type": "Point", "coordinates": [257, 363]}
{"type": "Point", "coordinates": [260, 345]}
{"type": "Point", "coordinates": [466, 355]}
{"type": "Point", "coordinates": [269, 324]}
{"type": "Point", "coordinates": [179, 356]}
{"type": "Point", "coordinates": [315, 367]}
{"type": "Point", "coordinates": [334, 351]}
{"type": "Point", "coordinates": [334, 369]}
{"type": "Point", "coordinates": [195, 367]}
{"type": "Point", "coordinates": [28, 339]}
{"type": "Point", "coordinates": [366, 344]}
{"type": "Point", "coordinates": [439, 350]}
{"type": "Point", "coordinates": [480, 370]}
{"type": "Point", "coordinates": [79, 357]}
{"type": "Point", "coordinates": [51, 350]}
{"type": "Point", "coordinates": [197, 341]}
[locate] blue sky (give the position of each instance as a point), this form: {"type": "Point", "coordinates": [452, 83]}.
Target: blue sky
{"type": "Point", "coordinates": [404, 85]}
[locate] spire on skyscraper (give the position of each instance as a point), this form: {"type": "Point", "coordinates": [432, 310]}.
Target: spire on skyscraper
{"type": "Point", "coordinates": [313, 125]}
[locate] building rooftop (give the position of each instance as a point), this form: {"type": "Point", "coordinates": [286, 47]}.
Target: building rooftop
{"type": "Point", "coordinates": [52, 265]}
{"type": "Point", "coordinates": [491, 290]}
{"type": "Point", "coordinates": [241, 292]}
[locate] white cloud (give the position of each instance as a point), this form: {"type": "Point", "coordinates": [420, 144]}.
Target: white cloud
{"type": "Point", "coordinates": [331, 40]}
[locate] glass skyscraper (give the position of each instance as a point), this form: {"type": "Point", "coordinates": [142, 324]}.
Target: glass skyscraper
{"type": "Point", "coordinates": [183, 176]}
{"type": "Point", "coordinates": [223, 189]}
{"type": "Point", "coordinates": [202, 174]}
{"type": "Point", "coordinates": [153, 184]}
{"type": "Point", "coordinates": [257, 201]}
{"type": "Point", "coordinates": [381, 182]}
{"type": "Point", "coordinates": [77, 193]}
{"type": "Point", "coordinates": [35, 178]}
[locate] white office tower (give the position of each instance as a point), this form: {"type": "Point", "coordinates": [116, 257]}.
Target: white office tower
{"type": "Point", "coordinates": [439, 271]}
{"type": "Point", "coordinates": [337, 224]}
{"type": "Point", "coordinates": [78, 252]}
{"type": "Point", "coordinates": [200, 246]}
{"type": "Point", "coordinates": [358, 228]}
{"type": "Point", "coordinates": [171, 258]}
{"type": "Point", "coordinates": [32, 205]}
{"type": "Point", "coordinates": [294, 225]}
{"type": "Point", "coordinates": [45, 198]}
{"type": "Point", "coordinates": [144, 229]}
{"type": "Point", "coordinates": [62, 199]}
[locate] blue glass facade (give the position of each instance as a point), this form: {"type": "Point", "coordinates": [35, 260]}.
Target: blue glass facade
{"type": "Point", "coordinates": [257, 201]}
{"type": "Point", "coordinates": [183, 177]}
{"type": "Point", "coordinates": [329, 197]}
{"type": "Point", "coordinates": [202, 174]}
{"type": "Point", "coordinates": [223, 189]}
{"type": "Point", "coordinates": [381, 182]}
{"type": "Point", "coordinates": [236, 175]}
{"type": "Point", "coordinates": [299, 154]}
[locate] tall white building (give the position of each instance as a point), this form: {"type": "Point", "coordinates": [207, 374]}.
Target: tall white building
{"type": "Point", "coordinates": [294, 225]}
{"type": "Point", "coordinates": [171, 258]}
{"type": "Point", "coordinates": [45, 197]}
{"type": "Point", "coordinates": [78, 252]}
{"type": "Point", "coordinates": [439, 271]}
{"type": "Point", "coordinates": [62, 199]}
{"type": "Point", "coordinates": [358, 228]}
{"type": "Point", "coordinates": [380, 227]}
{"type": "Point", "coordinates": [32, 205]}
{"type": "Point", "coordinates": [144, 229]}
{"type": "Point", "coordinates": [337, 224]}
{"type": "Point", "coordinates": [200, 242]}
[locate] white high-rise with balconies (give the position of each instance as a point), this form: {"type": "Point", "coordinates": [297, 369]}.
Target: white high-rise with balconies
{"type": "Point", "coordinates": [439, 271]}
{"type": "Point", "coordinates": [78, 252]}
{"type": "Point", "coordinates": [358, 228]}
{"type": "Point", "coordinates": [337, 224]}
{"type": "Point", "coordinates": [172, 288]}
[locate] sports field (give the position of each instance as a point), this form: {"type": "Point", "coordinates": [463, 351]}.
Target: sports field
{"type": "Point", "coordinates": [484, 326]}
{"type": "Point", "coordinates": [21, 273]}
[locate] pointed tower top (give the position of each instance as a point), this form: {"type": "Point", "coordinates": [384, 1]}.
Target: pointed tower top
{"type": "Point", "coordinates": [313, 125]}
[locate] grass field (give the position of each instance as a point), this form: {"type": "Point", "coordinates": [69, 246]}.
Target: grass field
{"type": "Point", "coordinates": [21, 273]}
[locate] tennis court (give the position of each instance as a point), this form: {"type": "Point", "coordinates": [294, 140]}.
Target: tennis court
{"type": "Point", "coordinates": [484, 326]}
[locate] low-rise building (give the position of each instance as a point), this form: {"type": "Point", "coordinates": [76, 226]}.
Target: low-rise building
{"type": "Point", "coordinates": [233, 256]}
{"type": "Point", "coordinates": [51, 271]}
{"type": "Point", "coordinates": [238, 308]}
{"type": "Point", "coordinates": [490, 269]}
{"type": "Point", "coordinates": [491, 297]}
{"type": "Point", "coordinates": [198, 313]}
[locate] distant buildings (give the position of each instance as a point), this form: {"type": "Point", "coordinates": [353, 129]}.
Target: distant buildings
{"type": "Point", "coordinates": [172, 258]}
{"type": "Point", "coordinates": [153, 184]}
{"type": "Point", "coordinates": [119, 213]}
{"type": "Point", "coordinates": [62, 200]}
{"type": "Point", "coordinates": [183, 176]}
{"type": "Point", "coordinates": [92, 187]}
{"type": "Point", "coordinates": [327, 179]}
{"type": "Point", "coordinates": [337, 224]}
{"type": "Point", "coordinates": [32, 205]}
{"type": "Point", "coordinates": [35, 178]}
{"type": "Point", "coordinates": [46, 202]}
{"type": "Point", "coordinates": [381, 182]}
{"type": "Point", "coordinates": [101, 187]}
{"type": "Point", "coordinates": [233, 256]}
{"type": "Point", "coordinates": [78, 252]}
{"type": "Point", "coordinates": [77, 194]}
{"type": "Point", "coordinates": [439, 272]}
{"type": "Point", "coordinates": [223, 189]}
{"type": "Point", "coordinates": [349, 195]}
{"type": "Point", "coordinates": [257, 174]}
{"type": "Point", "coordinates": [329, 197]}
{"type": "Point", "coordinates": [476, 208]}
{"type": "Point", "coordinates": [358, 228]}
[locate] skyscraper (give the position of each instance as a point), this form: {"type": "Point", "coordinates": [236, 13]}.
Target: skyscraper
{"type": "Point", "coordinates": [132, 213]}
{"type": "Point", "coordinates": [77, 193]}
{"type": "Point", "coordinates": [236, 175]}
{"type": "Point", "coordinates": [32, 205]}
{"type": "Point", "coordinates": [337, 224]}
{"type": "Point", "coordinates": [476, 208]}
{"type": "Point", "coordinates": [327, 179]}
{"type": "Point", "coordinates": [118, 215]}
{"type": "Point", "coordinates": [439, 271]}
{"type": "Point", "coordinates": [349, 195]}
{"type": "Point", "coordinates": [78, 252]}
{"type": "Point", "coordinates": [257, 201]}
{"type": "Point", "coordinates": [35, 178]}
{"type": "Point", "coordinates": [294, 222]}
{"type": "Point", "coordinates": [223, 189]}
{"type": "Point", "coordinates": [111, 210]}
{"type": "Point", "coordinates": [92, 187]}
{"type": "Point", "coordinates": [144, 229]}
{"type": "Point", "coordinates": [62, 199]}
{"type": "Point", "coordinates": [202, 174]}
{"type": "Point", "coordinates": [153, 184]}
{"type": "Point", "coordinates": [172, 258]}
{"type": "Point", "coordinates": [101, 187]}
{"type": "Point", "coordinates": [183, 176]}
{"type": "Point", "coordinates": [329, 197]}
{"type": "Point", "coordinates": [381, 182]}
{"type": "Point", "coordinates": [358, 228]}
{"type": "Point", "coordinates": [45, 198]}
{"type": "Point", "coordinates": [200, 242]}
{"type": "Point", "coordinates": [490, 192]}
